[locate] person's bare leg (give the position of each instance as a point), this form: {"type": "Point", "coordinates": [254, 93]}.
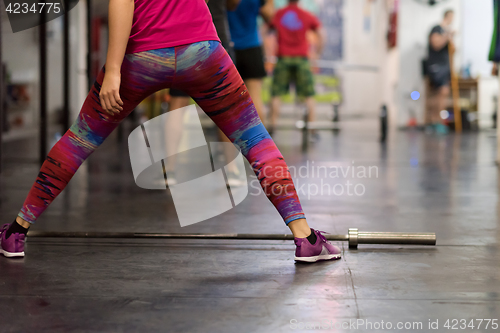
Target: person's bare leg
{"type": "Point", "coordinates": [173, 130]}
{"type": "Point", "coordinates": [23, 223]}
{"type": "Point", "coordinates": [177, 102]}
{"type": "Point", "coordinates": [431, 106]}
{"type": "Point", "coordinates": [300, 228]}
{"type": "Point", "coordinates": [275, 108]}
{"type": "Point", "coordinates": [311, 108]}
{"type": "Point", "coordinates": [227, 152]}
{"type": "Point", "coordinates": [254, 87]}
{"type": "Point", "coordinates": [442, 100]}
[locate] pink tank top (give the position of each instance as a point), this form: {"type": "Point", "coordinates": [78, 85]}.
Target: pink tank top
{"type": "Point", "coordinates": [166, 23]}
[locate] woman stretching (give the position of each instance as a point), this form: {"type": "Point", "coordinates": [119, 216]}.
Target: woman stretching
{"type": "Point", "coordinates": [155, 45]}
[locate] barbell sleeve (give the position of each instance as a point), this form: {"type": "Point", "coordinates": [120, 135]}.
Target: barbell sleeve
{"type": "Point", "coordinates": [403, 238]}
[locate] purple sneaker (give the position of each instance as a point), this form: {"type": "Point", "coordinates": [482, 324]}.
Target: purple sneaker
{"type": "Point", "coordinates": [321, 250]}
{"type": "Point", "coordinates": [12, 246]}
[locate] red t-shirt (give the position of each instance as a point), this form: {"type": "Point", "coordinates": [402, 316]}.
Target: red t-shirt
{"type": "Point", "coordinates": [292, 23]}
{"type": "Point", "coordinates": [165, 23]}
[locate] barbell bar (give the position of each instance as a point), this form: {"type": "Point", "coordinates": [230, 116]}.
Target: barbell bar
{"type": "Point", "coordinates": [354, 236]}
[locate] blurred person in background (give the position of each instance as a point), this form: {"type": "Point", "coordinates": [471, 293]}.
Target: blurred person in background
{"type": "Point", "coordinates": [438, 69]}
{"type": "Point", "coordinates": [248, 45]}
{"type": "Point", "coordinates": [292, 24]}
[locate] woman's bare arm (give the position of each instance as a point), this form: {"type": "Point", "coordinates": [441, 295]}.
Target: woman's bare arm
{"type": "Point", "coordinates": [267, 11]}
{"type": "Point", "coordinates": [439, 41]}
{"type": "Point", "coordinates": [121, 14]}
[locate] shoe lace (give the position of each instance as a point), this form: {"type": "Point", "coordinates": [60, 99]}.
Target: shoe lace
{"type": "Point", "coordinates": [321, 236]}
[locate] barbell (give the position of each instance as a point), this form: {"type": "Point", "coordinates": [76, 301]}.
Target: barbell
{"type": "Point", "coordinates": [354, 236]}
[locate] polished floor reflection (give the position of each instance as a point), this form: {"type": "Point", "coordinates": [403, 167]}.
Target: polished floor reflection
{"type": "Point", "coordinates": [416, 182]}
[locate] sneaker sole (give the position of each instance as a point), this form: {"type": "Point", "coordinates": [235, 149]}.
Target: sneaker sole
{"type": "Point", "coordinates": [319, 258]}
{"type": "Point", "coordinates": [12, 254]}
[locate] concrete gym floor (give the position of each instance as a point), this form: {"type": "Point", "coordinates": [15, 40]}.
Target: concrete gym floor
{"type": "Point", "coordinates": [426, 183]}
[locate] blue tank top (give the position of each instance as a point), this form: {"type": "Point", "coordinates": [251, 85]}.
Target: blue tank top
{"type": "Point", "coordinates": [243, 24]}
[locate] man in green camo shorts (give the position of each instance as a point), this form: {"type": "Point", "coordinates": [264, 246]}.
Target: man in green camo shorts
{"type": "Point", "coordinates": [293, 69]}
{"type": "Point", "coordinates": [292, 23]}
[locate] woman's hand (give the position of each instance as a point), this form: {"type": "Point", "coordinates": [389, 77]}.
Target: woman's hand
{"type": "Point", "coordinates": [110, 93]}
{"type": "Point", "coordinates": [121, 14]}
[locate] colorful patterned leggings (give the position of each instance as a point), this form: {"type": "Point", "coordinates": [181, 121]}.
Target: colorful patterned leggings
{"type": "Point", "coordinates": [203, 70]}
